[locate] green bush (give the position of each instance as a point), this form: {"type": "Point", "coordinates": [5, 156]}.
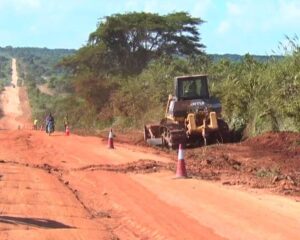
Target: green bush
{"type": "Point", "coordinates": [256, 96]}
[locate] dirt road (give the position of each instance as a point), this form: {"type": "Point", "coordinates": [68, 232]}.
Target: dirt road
{"type": "Point", "coordinates": [73, 187]}
{"type": "Point", "coordinates": [10, 103]}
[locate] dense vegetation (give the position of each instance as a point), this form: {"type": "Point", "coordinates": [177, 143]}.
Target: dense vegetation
{"type": "Point", "coordinates": [106, 70]}
{"type": "Point", "coordinates": [260, 97]}
{"type": "Point", "coordinates": [36, 67]}
{"type": "Point", "coordinates": [258, 93]}
{"type": "Point", "coordinates": [5, 71]}
{"type": "Point", "coordinates": [123, 75]}
{"type": "Point", "coordinates": [239, 58]}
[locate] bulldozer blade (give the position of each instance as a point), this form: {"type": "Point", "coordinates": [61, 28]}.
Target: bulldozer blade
{"type": "Point", "coordinates": [154, 141]}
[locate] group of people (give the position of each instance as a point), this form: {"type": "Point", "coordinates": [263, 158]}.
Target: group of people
{"type": "Point", "coordinates": [49, 122]}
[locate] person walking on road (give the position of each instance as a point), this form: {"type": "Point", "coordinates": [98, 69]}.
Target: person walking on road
{"type": "Point", "coordinates": [49, 120]}
{"type": "Point", "coordinates": [35, 124]}
{"type": "Point", "coordinates": [66, 121]}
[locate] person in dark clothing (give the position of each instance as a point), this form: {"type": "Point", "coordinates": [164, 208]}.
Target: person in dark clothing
{"type": "Point", "coordinates": [49, 120]}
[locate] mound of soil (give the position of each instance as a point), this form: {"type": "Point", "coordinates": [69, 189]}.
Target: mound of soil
{"type": "Point", "coordinates": [271, 160]}
{"type": "Point", "coordinates": [141, 166]}
{"type": "Point", "coordinates": [283, 144]}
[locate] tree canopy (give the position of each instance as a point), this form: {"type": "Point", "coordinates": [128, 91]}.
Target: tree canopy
{"type": "Point", "coordinates": [126, 43]}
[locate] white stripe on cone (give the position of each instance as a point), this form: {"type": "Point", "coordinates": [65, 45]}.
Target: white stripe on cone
{"type": "Point", "coordinates": [110, 140]}
{"type": "Point", "coordinates": [110, 134]}
{"type": "Point", "coordinates": [180, 153]}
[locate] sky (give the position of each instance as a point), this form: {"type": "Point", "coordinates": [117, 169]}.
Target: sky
{"type": "Point", "coordinates": [231, 26]}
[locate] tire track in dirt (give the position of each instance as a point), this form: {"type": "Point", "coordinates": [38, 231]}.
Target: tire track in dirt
{"type": "Point", "coordinates": [122, 223]}
{"type": "Point", "coordinates": [35, 203]}
{"type": "Point", "coordinates": [58, 174]}
{"type": "Point", "coordinates": [104, 188]}
{"type": "Point", "coordinates": [117, 221]}
{"type": "Point", "coordinates": [140, 166]}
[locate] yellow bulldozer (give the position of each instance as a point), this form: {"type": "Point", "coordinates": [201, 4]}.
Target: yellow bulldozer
{"type": "Point", "coordinates": [192, 116]}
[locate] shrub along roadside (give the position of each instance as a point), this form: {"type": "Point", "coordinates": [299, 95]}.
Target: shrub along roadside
{"type": "Point", "coordinates": [5, 72]}
{"type": "Point", "coordinates": [256, 96]}
{"type": "Point", "coordinates": [81, 116]}
{"type": "Point", "coordinates": [259, 97]}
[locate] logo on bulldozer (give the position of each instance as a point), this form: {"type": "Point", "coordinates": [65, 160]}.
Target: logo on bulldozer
{"type": "Point", "coordinates": [198, 103]}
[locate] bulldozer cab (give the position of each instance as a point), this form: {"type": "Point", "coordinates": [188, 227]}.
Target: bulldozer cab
{"type": "Point", "coordinates": [191, 87]}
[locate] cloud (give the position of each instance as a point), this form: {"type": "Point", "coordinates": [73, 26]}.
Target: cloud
{"type": "Point", "coordinates": [21, 4]}
{"type": "Point", "coordinates": [131, 5]}
{"type": "Point", "coordinates": [223, 27]}
{"type": "Point", "coordinates": [234, 9]}
{"type": "Point", "coordinates": [20, 7]}
{"type": "Point", "coordinates": [151, 6]}
{"type": "Point", "coordinates": [201, 8]}
{"type": "Point", "coordinates": [289, 11]}
{"type": "Point", "coordinates": [247, 17]}
{"type": "Point", "coordinates": [33, 29]}
{"type": "Point", "coordinates": [162, 7]}
{"type": "Point", "coordinates": [34, 4]}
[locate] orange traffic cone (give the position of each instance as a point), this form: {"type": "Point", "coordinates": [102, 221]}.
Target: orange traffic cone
{"type": "Point", "coordinates": [67, 131]}
{"type": "Point", "coordinates": [110, 139]}
{"type": "Point", "coordinates": [181, 171]}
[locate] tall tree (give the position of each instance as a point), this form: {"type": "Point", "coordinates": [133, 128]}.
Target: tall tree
{"type": "Point", "coordinates": [125, 43]}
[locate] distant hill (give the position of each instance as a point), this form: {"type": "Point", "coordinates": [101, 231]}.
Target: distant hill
{"type": "Point", "coordinates": [55, 54]}
{"type": "Point", "coordinates": [238, 58]}
{"type": "Point", "coordinates": [25, 52]}
{"type": "Point", "coordinates": [37, 64]}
